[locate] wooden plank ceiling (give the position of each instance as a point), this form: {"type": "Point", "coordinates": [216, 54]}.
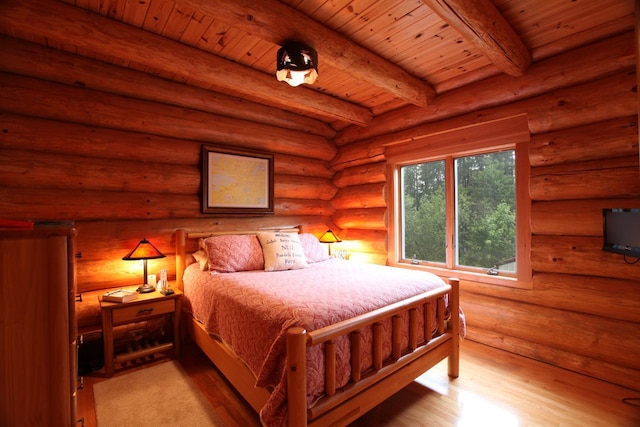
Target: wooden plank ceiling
{"type": "Point", "coordinates": [374, 56]}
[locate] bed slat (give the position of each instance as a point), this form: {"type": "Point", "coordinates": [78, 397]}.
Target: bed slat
{"type": "Point", "coordinates": [440, 315]}
{"type": "Point", "coordinates": [356, 358]}
{"type": "Point", "coordinates": [396, 337]}
{"type": "Point", "coordinates": [428, 325]}
{"type": "Point", "coordinates": [413, 329]}
{"type": "Point", "coordinates": [330, 368]}
{"type": "Point", "coordinates": [377, 346]}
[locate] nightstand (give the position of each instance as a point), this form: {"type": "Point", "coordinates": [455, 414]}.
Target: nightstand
{"type": "Point", "coordinates": [146, 307]}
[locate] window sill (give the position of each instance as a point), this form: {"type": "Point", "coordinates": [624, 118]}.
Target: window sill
{"type": "Point", "coordinates": [510, 282]}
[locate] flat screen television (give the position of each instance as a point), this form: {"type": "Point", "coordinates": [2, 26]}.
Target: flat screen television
{"type": "Point", "coordinates": [621, 231]}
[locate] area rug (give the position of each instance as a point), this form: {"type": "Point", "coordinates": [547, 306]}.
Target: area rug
{"type": "Point", "coordinates": [161, 395]}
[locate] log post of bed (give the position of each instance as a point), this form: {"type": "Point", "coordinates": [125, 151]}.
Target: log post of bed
{"type": "Point", "coordinates": [454, 309]}
{"type": "Point", "coordinates": [181, 242]}
{"type": "Point", "coordinates": [297, 376]}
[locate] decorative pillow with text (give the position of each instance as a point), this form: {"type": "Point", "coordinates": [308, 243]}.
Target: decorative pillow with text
{"type": "Point", "coordinates": [282, 251]}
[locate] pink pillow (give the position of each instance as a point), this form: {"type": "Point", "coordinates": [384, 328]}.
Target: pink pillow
{"type": "Point", "coordinates": [235, 252]}
{"type": "Point", "coordinates": [314, 251]}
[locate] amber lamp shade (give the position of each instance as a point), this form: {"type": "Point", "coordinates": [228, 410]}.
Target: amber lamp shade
{"type": "Point", "coordinates": [329, 237]}
{"type": "Point", "coordinates": [144, 250]}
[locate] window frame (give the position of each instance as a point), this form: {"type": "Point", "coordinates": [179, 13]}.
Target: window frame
{"type": "Point", "coordinates": [510, 133]}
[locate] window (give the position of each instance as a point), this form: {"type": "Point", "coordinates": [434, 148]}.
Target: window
{"type": "Point", "coordinates": [463, 206]}
{"type": "Point", "coordinates": [484, 208]}
{"type": "Point", "coordinates": [424, 225]}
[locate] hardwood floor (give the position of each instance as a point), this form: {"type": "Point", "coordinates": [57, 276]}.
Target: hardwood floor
{"type": "Point", "coordinates": [494, 388]}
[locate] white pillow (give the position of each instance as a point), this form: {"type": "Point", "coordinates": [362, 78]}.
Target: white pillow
{"type": "Point", "coordinates": [282, 251]}
{"type": "Point", "coordinates": [201, 257]}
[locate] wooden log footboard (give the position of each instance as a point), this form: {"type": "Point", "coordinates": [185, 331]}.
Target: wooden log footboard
{"type": "Point", "coordinates": [364, 390]}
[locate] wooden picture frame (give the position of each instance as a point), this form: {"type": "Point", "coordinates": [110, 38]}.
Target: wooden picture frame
{"type": "Point", "coordinates": [236, 181]}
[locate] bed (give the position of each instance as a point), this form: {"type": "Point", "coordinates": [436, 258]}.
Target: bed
{"type": "Point", "coordinates": [278, 328]}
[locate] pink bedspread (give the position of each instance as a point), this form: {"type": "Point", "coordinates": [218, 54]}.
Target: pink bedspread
{"type": "Point", "coordinates": [251, 311]}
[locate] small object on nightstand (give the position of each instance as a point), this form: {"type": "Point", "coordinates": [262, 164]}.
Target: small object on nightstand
{"type": "Point", "coordinates": [167, 291]}
{"type": "Point", "coordinates": [340, 254]}
{"type": "Point", "coordinates": [120, 295]}
{"type": "Point", "coordinates": [163, 284]}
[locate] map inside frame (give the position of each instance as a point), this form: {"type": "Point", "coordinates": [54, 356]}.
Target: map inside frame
{"type": "Point", "coordinates": [236, 181]}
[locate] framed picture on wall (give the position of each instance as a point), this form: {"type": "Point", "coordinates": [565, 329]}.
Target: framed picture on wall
{"type": "Point", "coordinates": [236, 181]}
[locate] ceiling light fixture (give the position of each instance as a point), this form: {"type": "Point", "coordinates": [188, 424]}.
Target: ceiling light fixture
{"type": "Point", "coordinates": [297, 64]}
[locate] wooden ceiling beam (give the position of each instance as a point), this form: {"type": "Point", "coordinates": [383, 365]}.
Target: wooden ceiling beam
{"type": "Point", "coordinates": [67, 25]}
{"type": "Point", "coordinates": [33, 60]}
{"type": "Point", "coordinates": [481, 23]}
{"type": "Point", "coordinates": [278, 23]}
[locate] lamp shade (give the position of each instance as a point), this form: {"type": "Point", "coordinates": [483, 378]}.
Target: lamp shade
{"type": "Point", "coordinates": [329, 237]}
{"type": "Point", "coordinates": [144, 250]}
{"type": "Point", "coordinates": [297, 63]}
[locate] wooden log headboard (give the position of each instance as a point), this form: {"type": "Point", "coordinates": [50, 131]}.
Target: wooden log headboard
{"type": "Point", "coordinates": [182, 236]}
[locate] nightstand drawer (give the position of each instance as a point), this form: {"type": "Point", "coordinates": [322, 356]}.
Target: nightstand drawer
{"type": "Point", "coordinates": [142, 311]}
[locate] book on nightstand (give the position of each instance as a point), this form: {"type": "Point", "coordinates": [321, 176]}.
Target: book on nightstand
{"type": "Point", "coordinates": [120, 296]}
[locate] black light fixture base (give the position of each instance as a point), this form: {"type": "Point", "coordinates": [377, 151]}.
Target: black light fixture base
{"type": "Point", "coordinates": [145, 289]}
{"type": "Point", "coordinates": [297, 63]}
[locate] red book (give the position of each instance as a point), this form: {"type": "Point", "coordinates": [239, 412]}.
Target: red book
{"type": "Point", "coordinates": [14, 223]}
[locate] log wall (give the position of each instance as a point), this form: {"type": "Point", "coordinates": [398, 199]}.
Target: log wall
{"type": "Point", "coordinates": [117, 151]}
{"type": "Point", "coordinates": [123, 160]}
{"type": "Point", "coordinates": [583, 310]}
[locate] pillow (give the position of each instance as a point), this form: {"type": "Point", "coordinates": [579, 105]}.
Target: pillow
{"type": "Point", "coordinates": [234, 252]}
{"type": "Point", "coordinates": [282, 251]}
{"type": "Point", "coordinates": [314, 251]}
{"type": "Point", "coordinates": [201, 258]}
